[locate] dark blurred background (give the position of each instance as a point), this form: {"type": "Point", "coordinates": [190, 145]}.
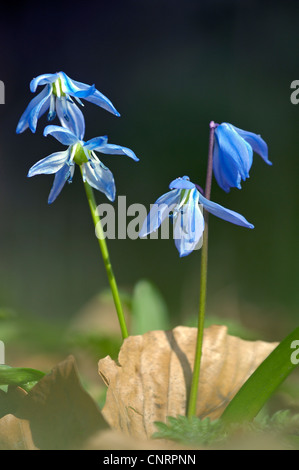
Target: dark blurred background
{"type": "Point", "coordinates": [169, 67]}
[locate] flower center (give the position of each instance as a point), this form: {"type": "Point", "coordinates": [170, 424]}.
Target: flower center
{"type": "Point", "coordinates": [80, 156]}
{"type": "Point", "coordinates": [185, 194]}
{"type": "Point", "coordinates": [57, 88]}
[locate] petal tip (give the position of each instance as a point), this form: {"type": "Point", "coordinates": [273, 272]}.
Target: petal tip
{"type": "Point", "coordinates": [183, 254]}
{"type": "Point", "coordinates": [51, 200]}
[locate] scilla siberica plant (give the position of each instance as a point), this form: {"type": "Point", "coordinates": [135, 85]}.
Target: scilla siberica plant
{"type": "Point", "coordinates": [229, 157]}
{"type": "Point", "coordinates": [57, 97]}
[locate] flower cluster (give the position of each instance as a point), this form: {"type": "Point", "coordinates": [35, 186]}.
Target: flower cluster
{"type": "Point", "coordinates": [232, 157]}
{"type": "Point", "coordinates": [57, 98]}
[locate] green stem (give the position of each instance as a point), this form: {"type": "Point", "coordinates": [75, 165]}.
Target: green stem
{"type": "Point", "coordinates": [105, 253]}
{"type": "Point", "coordinates": [191, 411]}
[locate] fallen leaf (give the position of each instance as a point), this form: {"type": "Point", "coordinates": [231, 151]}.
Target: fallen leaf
{"type": "Point", "coordinates": [62, 415]}
{"type": "Point", "coordinates": [15, 434]}
{"type": "Point", "coordinates": [152, 378]}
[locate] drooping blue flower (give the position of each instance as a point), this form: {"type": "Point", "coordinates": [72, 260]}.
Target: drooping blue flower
{"type": "Point", "coordinates": [233, 154]}
{"type": "Point", "coordinates": [83, 153]}
{"type": "Point", "coordinates": [182, 203]}
{"type": "Point", "coordinates": [56, 97]}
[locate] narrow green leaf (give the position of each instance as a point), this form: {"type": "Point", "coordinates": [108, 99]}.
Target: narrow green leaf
{"type": "Point", "coordinates": [149, 310]}
{"type": "Point", "coordinates": [253, 395]}
{"type": "Point", "coordinates": [18, 375]}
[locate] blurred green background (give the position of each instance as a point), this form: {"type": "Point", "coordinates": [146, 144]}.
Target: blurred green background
{"type": "Point", "coordinates": [169, 68]}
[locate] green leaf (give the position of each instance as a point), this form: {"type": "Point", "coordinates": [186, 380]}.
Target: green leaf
{"type": "Point", "coordinates": [149, 310]}
{"type": "Point", "coordinates": [18, 375]}
{"type": "Point", "coordinates": [196, 432]}
{"type": "Point", "coordinates": [256, 391]}
{"type": "Point", "coordinates": [191, 431]}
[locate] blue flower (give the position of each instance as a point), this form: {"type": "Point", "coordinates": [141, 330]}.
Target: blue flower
{"type": "Point", "coordinates": [83, 153]}
{"type": "Point", "coordinates": [182, 204]}
{"type": "Point", "coordinates": [233, 154]}
{"type": "Point", "coordinates": [56, 97]}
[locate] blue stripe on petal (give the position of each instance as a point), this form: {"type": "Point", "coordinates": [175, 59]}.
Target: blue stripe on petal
{"type": "Point", "coordinates": [60, 179]}
{"type": "Point", "coordinates": [44, 79]}
{"type": "Point", "coordinates": [62, 134]}
{"type": "Point", "coordinates": [92, 144]}
{"type": "Point", "coordinates": [101, 100]}
{"type": "Point", "coordinates": [75, 120]}
{"type": "Point", "coordinates": [37, 106]}
{"type": "Point", "coordinates": [100, 178]}
{"type": "Point", "coordinates": [112, 149]}
{"type": "Point", "coordinates": [39, 109]}
{"type": "Point", "coordinates": [73, 88]}
{"type": "Point", "coordinates": [50, 164]}
{"type": "Point", "coordinates": [223, 213]}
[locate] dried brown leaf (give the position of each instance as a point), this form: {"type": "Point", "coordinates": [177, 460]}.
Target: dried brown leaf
{"type": "Point", "coordinates": [152, 378]}
{"type": "Point", "coordinates": [15, 434]}
{"type": "Point", "coordinates": [62, 415]}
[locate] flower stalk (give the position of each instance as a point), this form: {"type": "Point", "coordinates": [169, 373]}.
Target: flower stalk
{"type": "Point", "coordinates": [106, 258]}
{"type": "Point", "coordinates": [191, 411]}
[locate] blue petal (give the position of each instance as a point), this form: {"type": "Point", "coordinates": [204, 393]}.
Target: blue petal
{"type": "Point", "coordinates": [70, 87]}
{"type": "Point", "coordinates": [101, 100]}
{"type": "Point", "coordinates": [92, 144]}
{"type": "Point", "coordinates": [182, 183]}
{"type": "Point", "coordinates": [225, 170]}
{"type": "Point", "coordinates": [44, 79]}
{"type": "Point", "coordinates": [232, 157]}
{"type": "Point", "coordinates": [39, 109]}
{"type": "Point", "coordinates": [159, 211]}
{"type": "Point", "coordinates": [188, 225]}
{"type": "Point", "coordinates": [61, 177]}
{"type": "Point", "coordinates": [90, 93]}
{"type": "Point", "coordinates": [234, 148]}
{"type": "Point", "coordinates": [35, 109]}
{"type": "Point", "coordinates": [112, 149]}
{"type": "Point", "coordinates": [223, 213]}
{"type": "Point", "coordinates": [257, 143]}
{"type": "Point", "coordinates": [62, 134]}
{"type": "Point", "coordinates": [100, 178]}
{"type": "Point", "coordinates": [50, 164]}
{"type": "Point", "coordinates": [71, 117]}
